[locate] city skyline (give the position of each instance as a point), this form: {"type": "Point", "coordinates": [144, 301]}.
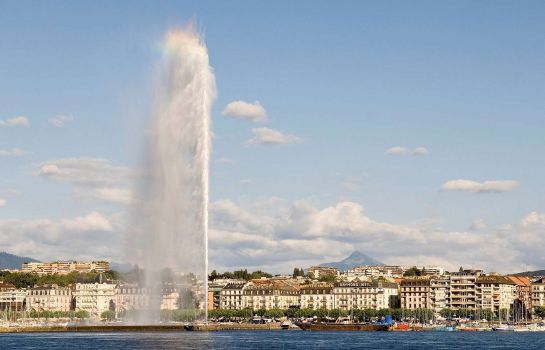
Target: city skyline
{"type": "Point", "coordinates": [410, 133]}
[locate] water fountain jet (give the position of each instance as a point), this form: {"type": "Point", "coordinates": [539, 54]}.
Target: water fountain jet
{"type": "Point", "coordinates": [169, 225]}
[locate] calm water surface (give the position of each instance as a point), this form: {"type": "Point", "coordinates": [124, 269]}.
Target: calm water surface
{"type": "Point", "coordinates": [275, 340]}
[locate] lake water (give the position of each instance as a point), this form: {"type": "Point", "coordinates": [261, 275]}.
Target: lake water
{"type": "Point", "coordinates": [275, 340]}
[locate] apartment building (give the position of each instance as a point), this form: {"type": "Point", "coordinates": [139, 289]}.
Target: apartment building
{"type": "Point", "coordinates": [13, 300]}
{"type": "Point", "coordinates": [131, 297]}
{"type": "Point", "coordinates": [415, 292]}
{"type": "Point", "coordinates": [538, 292]}
{"type": "Point", "coordinates": [65, 267]}
{"type": "Point", "coordinates": [231, 296]}
{"type": "Point", "coordinates": [378, 294]}
{"type": "Point", "coordinates": [95, 298]}
{"type": "Point", "coordinates": [439, 292]}
{"type": "Point", "coordinates": [319, 271]}
{"type": "Point", "coordinates": [375, 271]}
{"type": "Point", "coordinates": [463, 292]}
{"type": "Point", "coordinates": [495, 293]}
{"type": "Point", "coordinates": [50, 298]}
{"type": "Point", "coordinates": [271, 294]}
{"type": "Point", "coordinates": [317, 296]}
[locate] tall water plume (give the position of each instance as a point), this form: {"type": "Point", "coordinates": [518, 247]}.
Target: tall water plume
{"type": "Point", "coordinates": [169, 227]}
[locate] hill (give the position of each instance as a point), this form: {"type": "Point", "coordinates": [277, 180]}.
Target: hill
{"type": "Point", "coordinates": [531, 273]}
{"type": "Point", "coordinates": [10, 261]}
{"type": "Point", "coordinates": [355, 259]}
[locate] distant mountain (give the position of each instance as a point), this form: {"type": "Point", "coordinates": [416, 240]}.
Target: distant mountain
{"type": "Point", "coordinates": [355, 259]}
{"type": "Point", "coordinates": [10, 261]}
{"type": "Point", "coordinates": [531, 273]}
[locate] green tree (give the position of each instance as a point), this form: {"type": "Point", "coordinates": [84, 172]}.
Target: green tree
{"type": "Point", "coordinates": [108, 315]}
{"type": "Point", "coordinates": [539, 311]}
{"type": "Point", "coordinates": [327, 278]}
{"type": "Point", "coordinates": [413, 271]}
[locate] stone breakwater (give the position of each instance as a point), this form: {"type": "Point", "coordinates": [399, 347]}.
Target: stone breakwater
{"type": "Point", "coordinates": [210, 327]}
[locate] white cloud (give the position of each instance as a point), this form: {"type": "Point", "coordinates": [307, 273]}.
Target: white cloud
{"type": "Point", "coordinates": [60, 121]}
{"type": "Point", "coordinates": [247, 111]}
{"type": "Point", "coordinates": [246, 181]}
{"type": "Point", "coordinates": [480, 187]}
{"type": "Point", "coordinates": [85, 171]}
{"type": "Point", "coordinates": [17, 121]}
{"type": "Point", "coordinates": [114, 195]}
{"type": "Point", "coordinates": [477, 224]}
{"type": "Point", "coordinates": [2, 202]}
{"type": "Point", "coordinates": [304, 234]}
{"type": "Point", "coordinates": [93, 178]}
{"type": "Point", "coordinates": [534, 218]}
{"type": "Point", "coordinates": [14, 152]}
{"type": "Point", "coordinates": [267, 136]}
{"type": "Point", "coordinates": [403, 151]}
{"type": "Point", "coordinates": [90, 236]}
{"type": "Point", "coordinates": [420, 151]}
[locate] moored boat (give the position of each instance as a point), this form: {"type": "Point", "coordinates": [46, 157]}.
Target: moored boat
{"type": "Point", "coordinates": [369, 327]}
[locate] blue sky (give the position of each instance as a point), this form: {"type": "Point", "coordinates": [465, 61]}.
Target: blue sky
{"type": "Point", "coordinates": [465, 80]}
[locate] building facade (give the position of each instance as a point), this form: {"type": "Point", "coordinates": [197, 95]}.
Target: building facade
{"type": "Point", "coordinates": [439, 293]}
{"type": "Point", "coordinates": [463, 292]}
{"type": "Point", "coordinates": [317, 296]}
{"type": "Point", "coordinates": [378, 294]}
{"type": "Point", "coordinates": [270, 294]}
{"type": "Point", "coordinates": [95, 298]}
{"type": "Point", "coordinates": [231, 296]}
{"type": "Point", "coordinates": [495, 293]}
{"type": "Point", "coordinates": [50, 298]}
{"type": "Point", "coordinates": [415, 293]}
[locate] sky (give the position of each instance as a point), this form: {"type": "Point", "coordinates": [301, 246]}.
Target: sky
{"type": "Point", "coordinates": [411, 131]}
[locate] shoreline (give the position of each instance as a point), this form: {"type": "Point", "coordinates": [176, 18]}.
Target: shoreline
{"type": "Point", "coordinates": [142, 328]}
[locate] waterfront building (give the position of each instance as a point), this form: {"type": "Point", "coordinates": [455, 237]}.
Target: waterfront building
{"type": "Point", "coordinates": [378, 294]}
{"type": "Point", "coordinates": [231, 296]}
{"type": "Point", "coordinates": [95, 298]}
{"type": "Point", "coordinates": [439, 293]}
{"type": "Point", "coordinates": [495, 293]}
{"type": "Point", "coordinates": [317, 296]}
{"type": "Point", "coordinates": [5, 286]}
{"type": "Point", "coordinates": [13, 300]}
{"type": "Point", "coordinates": [50, 298]}
{"type": "Point", "coordinates": [463, 292]}
{"type": "Point", "coordinates": [538, 292]}
{"type": "Point", "coordinates": [131, 297]}
{"type": "Point", "coordinates": [271, 294]}
{"type": "Point", "coordinates": [523, 302]}
{"type": "Point", "coordinates": [319, 271]}
{"type": "Point", "coordinates": [415, 292]}
{"type": "Point", "coordinates": [214, 292]}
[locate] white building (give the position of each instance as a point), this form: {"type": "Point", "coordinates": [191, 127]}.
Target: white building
{"type": "Point", "coordinates": [495, 293]}
{"type": "Point", "coordinates": [271, 294]}
{"type": "Point", "coordinates": [12, 300]}
{"type": "Point", "coordinates": [440, 293]}
{"type": "Point", "coordinates": [378, 294]}
{"type": "Point", "coordinates": [131, 297]}
{"type": "Point", "coordinates": [49, 298]}
{"type": "Point", "coordinates": [375, 271]}
{"type": "Point", "coordinates": [95, 298]}
{"type": "Point", "coordinates": [317, 296]}
{"type": "Point", "coordinates": [231, 296]}
{"type": "Point", "coordinates": [538, 292]}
